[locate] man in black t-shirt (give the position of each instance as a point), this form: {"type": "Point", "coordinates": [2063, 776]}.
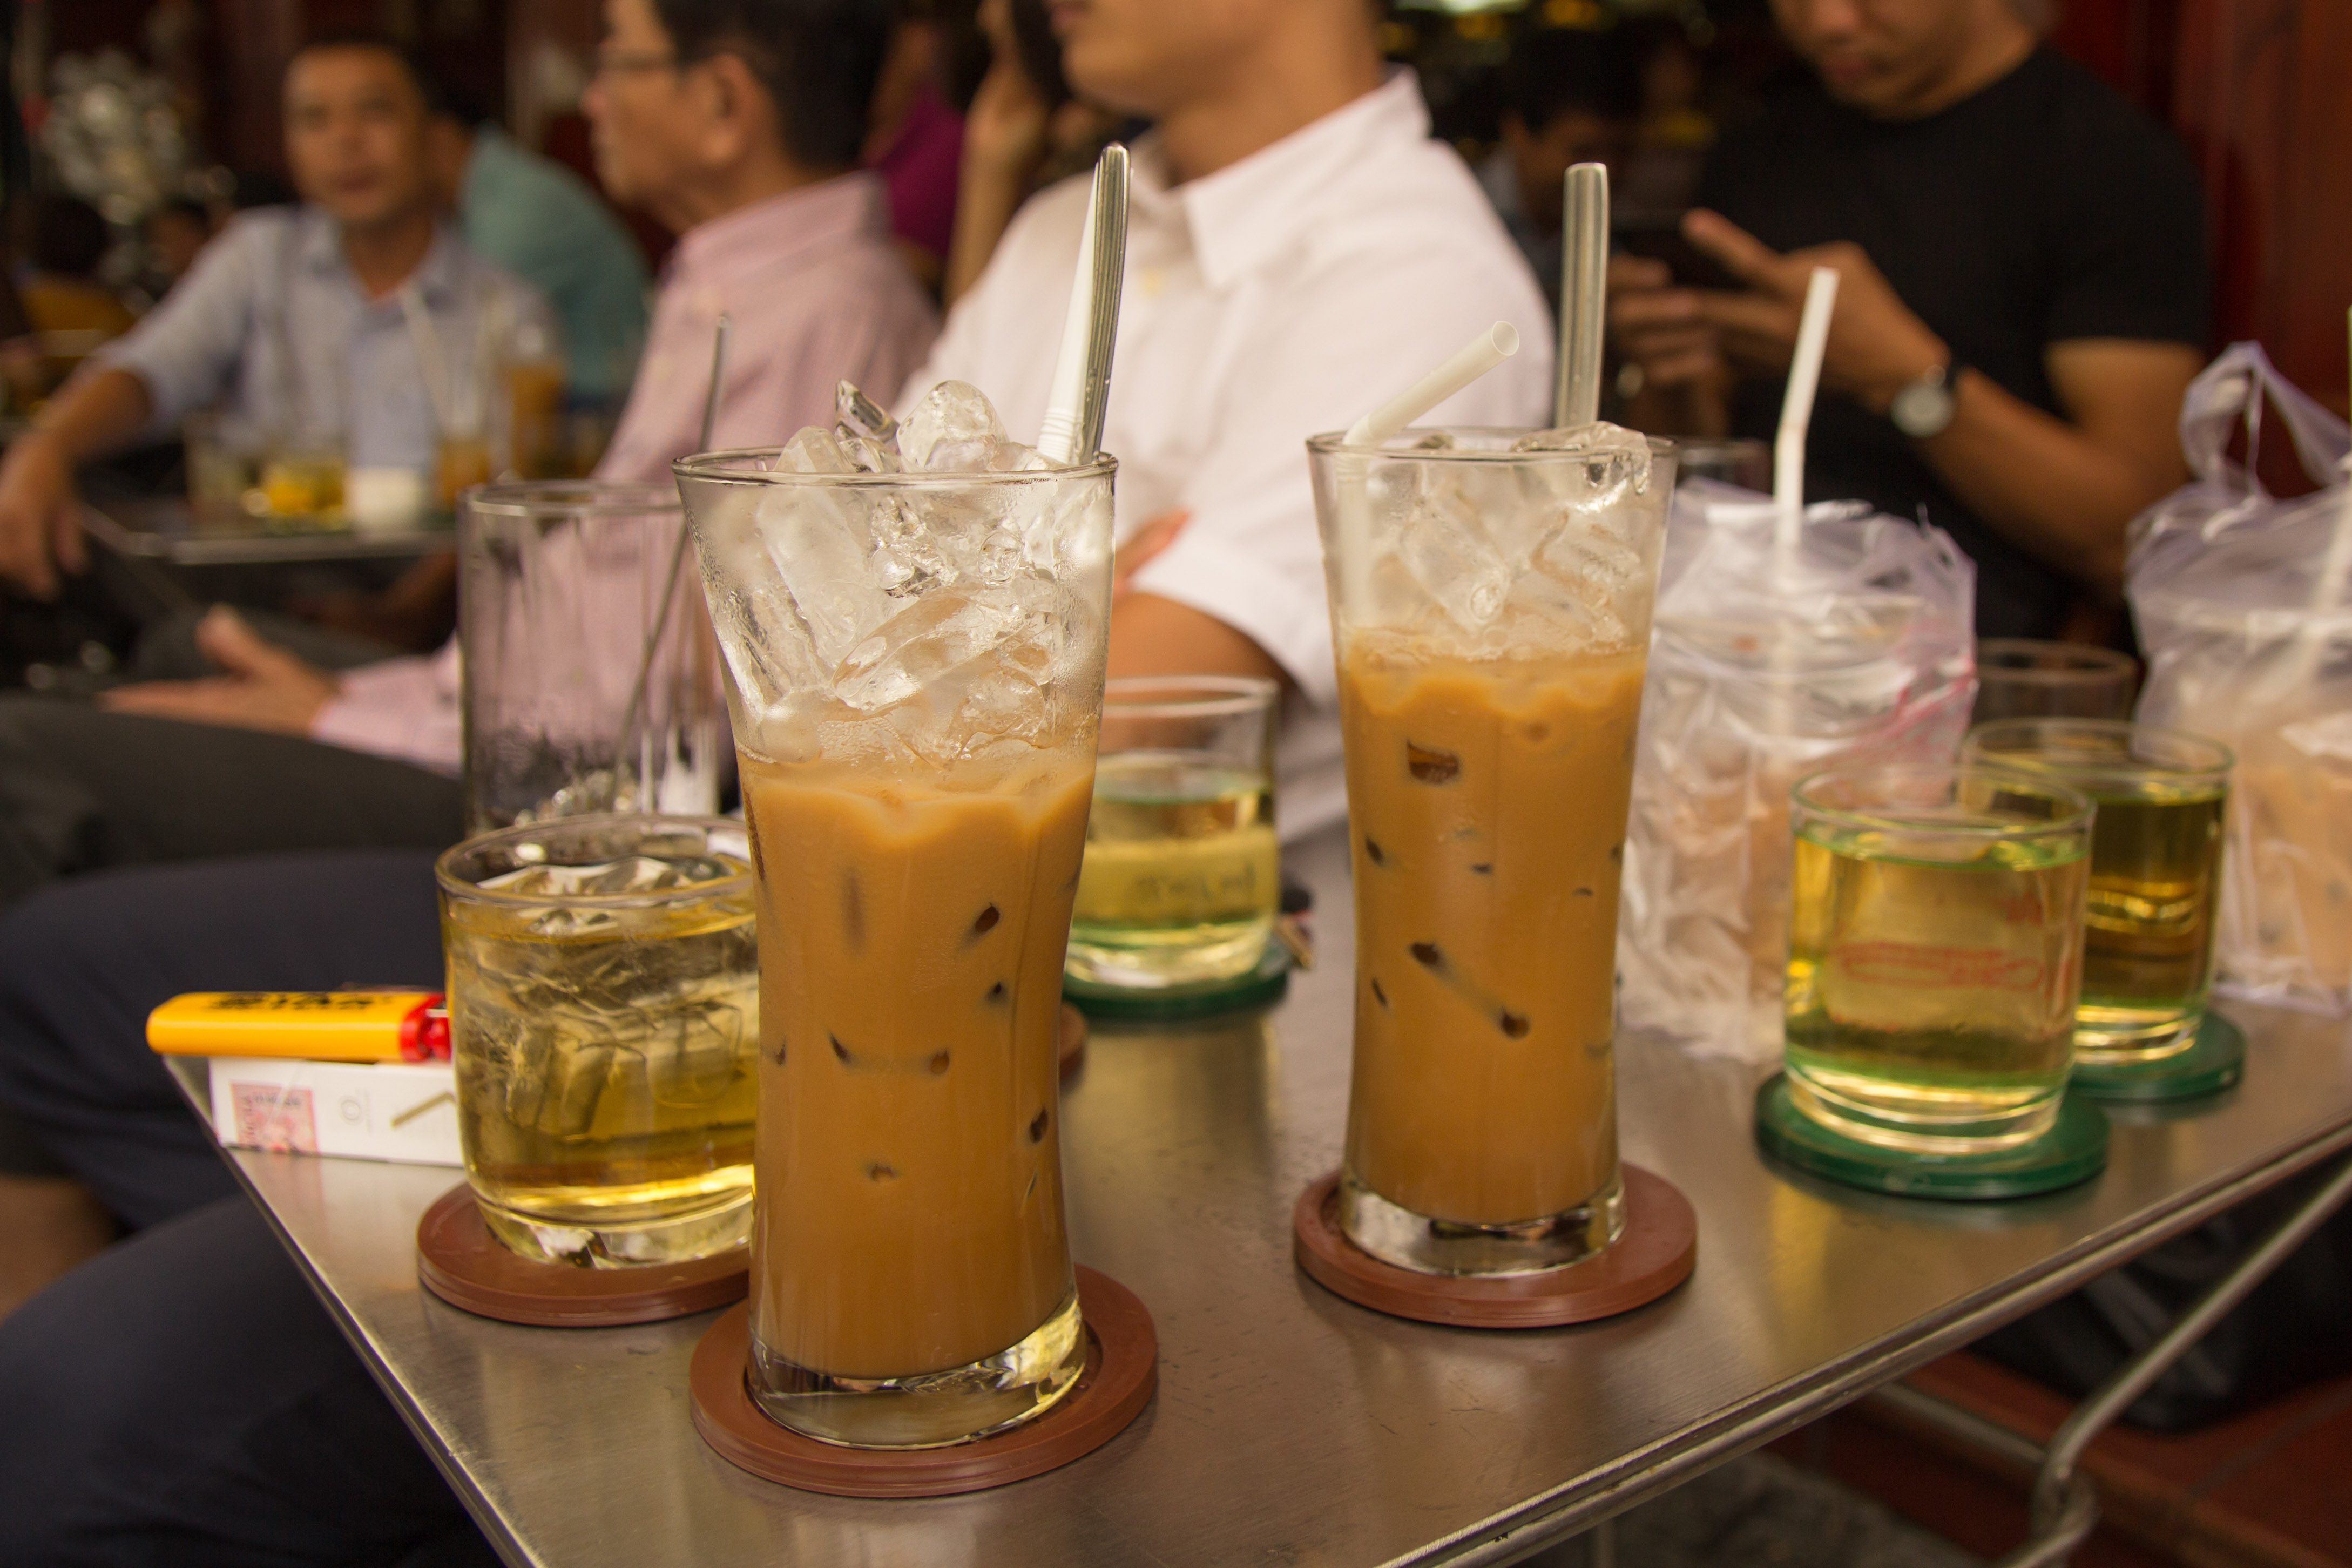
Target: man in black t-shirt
{"type": "Point", "coordinates": [2022, 301]}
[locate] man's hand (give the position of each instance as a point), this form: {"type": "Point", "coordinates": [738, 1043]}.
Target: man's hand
{"type": "Point", "coordinates": [1877, 345]}
{"type": "Point", "coordinates": [1141, 547]}
{"type": "Point", "coordinates": [1658, 327]}
{"type": "Point", "coordinates": [40, 528]}
{"type": "Point", "coordinates": [265, 687]}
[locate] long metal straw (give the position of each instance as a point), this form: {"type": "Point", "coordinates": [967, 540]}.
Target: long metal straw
{"type": "Point", "coordinates": [678, 552]}
{"type": "Point", "coordinates": [1583, 294]}
{"type": "Point", "coordinates": [1080, 390]}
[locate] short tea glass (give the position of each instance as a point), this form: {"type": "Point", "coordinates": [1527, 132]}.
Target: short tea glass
{"type": "Point", "coordinates": [1183, 872]}
{"type": "Point", "coordinates": [1935, 953]}
{"type": "Point", "coordinates": [2018, 678]}
{"type": "Point", "coordinates": [605, 1020]}
{"type": "Point", "coordinates": [2156, 872]}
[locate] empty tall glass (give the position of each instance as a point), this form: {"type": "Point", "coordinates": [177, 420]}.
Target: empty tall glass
{"type": "Point", "coordinates": [918, 671]}
{"type": "Point", "coordinates": [591, 680]}
{"type": "Point", "coordinates": [1491, 594]}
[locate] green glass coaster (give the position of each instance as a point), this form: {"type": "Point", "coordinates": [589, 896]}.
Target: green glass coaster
{"type": "Point", "coordinates": [2214, 1061]}
{"type": "Point", "coordinates": [2072, 1150]}
{"type": "Point", "coordinates": [1260, 987]}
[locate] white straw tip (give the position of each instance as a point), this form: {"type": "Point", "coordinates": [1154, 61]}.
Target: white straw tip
{"type": "Point", "coordinates": [1506, 338]}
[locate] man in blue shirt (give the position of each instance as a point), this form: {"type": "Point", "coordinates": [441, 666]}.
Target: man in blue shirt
{"type": "Point", "coordinates": [541, 221]}
{"type": "Point", "coordinates": [346, 322]}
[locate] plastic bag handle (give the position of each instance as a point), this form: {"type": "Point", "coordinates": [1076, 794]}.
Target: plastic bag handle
{"type": "Point", "coordinates": [2232, 389]}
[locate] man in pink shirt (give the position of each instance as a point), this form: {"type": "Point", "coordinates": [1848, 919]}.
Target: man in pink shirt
{"type": "Point", "coordinates": [734, 122]}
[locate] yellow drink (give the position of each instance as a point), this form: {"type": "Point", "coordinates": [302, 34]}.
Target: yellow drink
{"type": "Point", "coordinates": [1183, 872]}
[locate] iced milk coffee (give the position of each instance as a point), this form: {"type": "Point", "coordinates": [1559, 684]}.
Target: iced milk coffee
{"type": "Point", "coordinates": [910, 966]}
{"type": "Point", "coordinates": [916, 627]}
{"type": "Point", "coordinates": [1491, 653]}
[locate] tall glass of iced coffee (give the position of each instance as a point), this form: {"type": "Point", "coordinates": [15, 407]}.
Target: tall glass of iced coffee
{"type": "Point", "coordinates": [1491, 594]}
{"type": "Point", "coordinates": [918, 652]}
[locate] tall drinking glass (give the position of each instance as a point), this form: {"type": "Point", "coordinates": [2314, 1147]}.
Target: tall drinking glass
{"type": "Point", "coordinates": [603, 1017]}
{"type": "Point", "coordinates": [1935, 953]}
{"type": "Point", "coordinates": [1491, 596]}
{"type": "Point", "coordinates": [2156, 872]}
{"type": "Point", "coordinates": [591, 680]}
{"type": "Point", "coordinates": [918, 671]}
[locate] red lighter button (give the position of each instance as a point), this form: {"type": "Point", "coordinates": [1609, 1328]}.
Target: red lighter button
{"type": "Point", "coordinates": [425, 1033]}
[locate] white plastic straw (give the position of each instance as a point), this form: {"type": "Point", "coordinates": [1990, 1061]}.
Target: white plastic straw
{"type": "Point", "coordinates": [1583, 294]}
{"type": "Point", "coordinates": [1473, 360]}
{"type": "Point", "coordinates": [1082, 368]}
{"type": "Point", "coordinates": [1797, 409]}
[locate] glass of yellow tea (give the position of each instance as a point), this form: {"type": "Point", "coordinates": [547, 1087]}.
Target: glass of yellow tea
{"type": "Point", "coordinates": [1182, 873]}
{"type": "Point", "coordinates": [918, 659]}
{"type": "Point", "coordinates": [1935, 953]}
{"type": "Point", "coordinates": [1491, 593]}
{"type": "Point", "coordinates": [2156, 872]}
{"type": "Point", "coordinates": [605, 1019]}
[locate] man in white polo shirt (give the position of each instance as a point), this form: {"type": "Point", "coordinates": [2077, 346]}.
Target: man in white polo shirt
{"type": "Point", "coordinates": [1299, 251]}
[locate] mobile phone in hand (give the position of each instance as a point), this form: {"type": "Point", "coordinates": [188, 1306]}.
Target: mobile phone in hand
{"type": "Point", "coordinates": [1691, 267]}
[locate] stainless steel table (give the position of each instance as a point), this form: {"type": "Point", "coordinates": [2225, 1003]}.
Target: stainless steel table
{"type": "Point", "coordinates": [166, 529]}
{"type": "Point", "coordinates": [1290, 1426]}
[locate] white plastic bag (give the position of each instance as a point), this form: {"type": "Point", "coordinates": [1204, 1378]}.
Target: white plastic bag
{"type": "Point", "coordinates": [1761, 672]}
{"type": "Point", "coordinates": [2248, 642]}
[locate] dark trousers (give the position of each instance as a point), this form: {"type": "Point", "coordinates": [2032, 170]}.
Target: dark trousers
{"type": "Point", "coordinates": [82, 789]}
{"type": "Point", "coordinates": [183, 1399]}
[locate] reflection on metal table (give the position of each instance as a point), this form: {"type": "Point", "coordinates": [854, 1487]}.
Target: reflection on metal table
{"type": "Point", "coordinates": [167, 528]}
{"type": "Point", "coordinates": [1290, 1426]}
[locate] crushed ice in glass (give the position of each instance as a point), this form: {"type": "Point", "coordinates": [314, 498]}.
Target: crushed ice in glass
{"type": "Point", "coordinates": [953, 609]}
{"type": "Point", "coordinates": [1520, 554]}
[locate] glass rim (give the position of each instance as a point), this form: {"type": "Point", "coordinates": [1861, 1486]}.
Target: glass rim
{"type": "Point", "coordinates": [1331, 443]}
{"type": "Point", "coordinates": [2090, 665]}
{"type": "Point", "coordinates": [730, 466]}
{"type": "Point", "coordinates": [2079, 807]}
{"type": "Point", "coordinates": [2221, 759]}
{"type": "Point", "coordinates": [446, 878]}
{"type": "Point", "coordinates": [569, 498]}
{"type": "Point", "coordinates": [1223, 696]}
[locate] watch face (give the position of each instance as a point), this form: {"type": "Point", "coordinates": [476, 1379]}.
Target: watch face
{"type": "Point", "coordinates": [1922, 409]}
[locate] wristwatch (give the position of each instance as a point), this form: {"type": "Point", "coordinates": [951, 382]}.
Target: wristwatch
{"type": "Point", "coordinates": [1924, 407]}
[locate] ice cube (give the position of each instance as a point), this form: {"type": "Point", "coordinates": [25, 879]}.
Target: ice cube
{"type": "Point", "coordinates": [859, 415]}
{"type": "Point", "coordinates": [1449, 554]}
{"type": "Point", "coordinates": [812, 451]}
{"type": "Point", "coordinates": [929, 636]}
{"type": "Point", "coordinates": [869, 456]}
{"type": "Point", "coordinates": [819, 553]}
{"type": "Point", "coordinates": [954, 428]}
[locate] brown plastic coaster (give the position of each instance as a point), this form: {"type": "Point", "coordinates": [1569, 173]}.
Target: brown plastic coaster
{"type": "Point", "coordinates": [1656, 1253]}
{"type": "Point", "coordinates": [460, 1261]}
{"type": "Point", "coordinates": [1072, 1040]}
{"type": "Point", "coordinates": [1122, 1369]}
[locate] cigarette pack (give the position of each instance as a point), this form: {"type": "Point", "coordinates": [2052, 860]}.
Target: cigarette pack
{"type": "Point", "coordinates": [374, 1110]}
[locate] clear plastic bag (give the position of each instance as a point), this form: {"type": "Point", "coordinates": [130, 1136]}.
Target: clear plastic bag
{"type": "Point", "coordinates": [2249, 639]}
{"type": "Point", "coordinates": [1761, 672]}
